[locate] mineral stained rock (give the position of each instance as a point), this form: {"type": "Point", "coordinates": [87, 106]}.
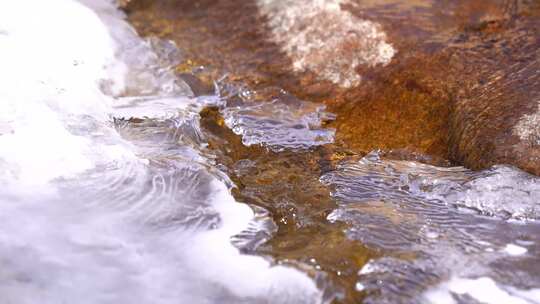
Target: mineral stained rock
{"type": "Point", "coordinates": [496, 117]}
{"type": "Point", "coordinates": [454, 79]}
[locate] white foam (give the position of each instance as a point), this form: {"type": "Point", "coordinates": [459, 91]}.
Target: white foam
{"type": "Point", "coordinates": [321, 37]}
{"type": "Point", "coordinates": [51, 66]}
{"type": "Point", "coordinates": [482, 289]}
{"type": "Point", "coordinates": [248, 276]}
{"type": "Point", "coordinates": [60, 239]}
{"type": "Point", "coordinates": [513, 249]}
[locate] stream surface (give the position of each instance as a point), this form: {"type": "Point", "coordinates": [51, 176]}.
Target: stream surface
{"type": "Point", "coordinates": [112, 194]}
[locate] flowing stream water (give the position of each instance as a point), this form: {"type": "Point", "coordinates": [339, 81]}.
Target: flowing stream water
{"type": "Point", "coordinates": [96, 212]}
{"type": "Point", "coordinates": [111, 195]}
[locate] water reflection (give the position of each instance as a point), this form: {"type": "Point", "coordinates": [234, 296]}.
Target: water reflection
{"type": "Point", "coordinates": [438, 225]}
{"type": "Point", "coordinates": [108, 194]}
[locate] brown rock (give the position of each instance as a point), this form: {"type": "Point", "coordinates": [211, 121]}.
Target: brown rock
{"type": "Point", "coordinates": [496, 118]}
{"type": "Point", "coordinates": [456, 79]}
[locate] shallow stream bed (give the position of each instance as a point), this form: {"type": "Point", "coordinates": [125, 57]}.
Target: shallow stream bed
{"type": "Point", "coordinates": [122, 183]}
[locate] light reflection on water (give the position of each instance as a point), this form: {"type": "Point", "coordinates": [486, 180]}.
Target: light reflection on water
{"type": "Point", "coordinates": [438, 225]}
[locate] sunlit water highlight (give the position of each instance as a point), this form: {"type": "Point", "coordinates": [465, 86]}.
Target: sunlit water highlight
{"type": "Point", "coordinates": [279, 123]}
{"type": "Point", "coordinates": [455, 236]}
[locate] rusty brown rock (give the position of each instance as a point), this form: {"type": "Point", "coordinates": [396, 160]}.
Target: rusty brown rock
{"type": "Point", "coordinates": [234, 38]}
{"type": "Point", "coordinates": [497, 115]}
{"type": "Point", "coordinates": [462, 86]}
{"type": "Point", "coordinates": [440, 94]}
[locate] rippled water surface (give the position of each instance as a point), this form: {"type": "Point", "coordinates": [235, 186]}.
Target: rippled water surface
{"type": "Point", "coordinates": [108, 193]}
{"type": "Point", "coordinates": [113, 193]}
{"type": "Point", "coordinates": [283, 122]}
{"type": "Point", "coordinates": [448, 227]}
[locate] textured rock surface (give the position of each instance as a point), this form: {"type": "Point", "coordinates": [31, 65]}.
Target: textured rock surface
{"type": "Point", "coordinates": [455, 79]}
{"type": "Point", "coordinates": [287, 184]}
{"type": "Point", "coordinates": [322, 37]}
{"type": "Point", "coordinates": [496, 116]}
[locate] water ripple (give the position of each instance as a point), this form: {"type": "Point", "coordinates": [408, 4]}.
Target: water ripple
{"type": "Point", "coordinates": [438, 224]}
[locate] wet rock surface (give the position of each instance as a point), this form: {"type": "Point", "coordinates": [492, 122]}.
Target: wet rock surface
{"type": "Point", "coordinates": [461, 86]}
{"type": "Point", "coordinates": [495, 118]}
{"type": "Point", "coordinates": [234, 37]}
{"type": "Point", "coordinates": [287, 185]}
{"type": "Point", "coordinates": [441, 57]}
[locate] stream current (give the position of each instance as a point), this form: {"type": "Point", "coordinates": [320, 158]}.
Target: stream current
{"type": "Point", "coordinates": [110, 194]}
